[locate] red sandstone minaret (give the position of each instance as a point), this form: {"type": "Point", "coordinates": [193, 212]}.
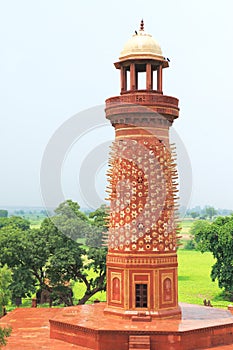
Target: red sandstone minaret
{"type": "Point", "coordinates": [142, 235]}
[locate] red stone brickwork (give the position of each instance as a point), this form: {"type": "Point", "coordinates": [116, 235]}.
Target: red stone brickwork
{"type": "Point", "coordinates": [142, 234]}
{"type": "Point", "coordinates": [200, 328]}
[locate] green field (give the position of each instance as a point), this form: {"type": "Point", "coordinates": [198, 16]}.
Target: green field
{"type": "Point", "coordinates": [186, 225]}
{"type": "Point", "coordinates": [36, 222]}
{"type": "Point", "coordinates": [194, 280]}
{"type": "Point", "coordinates": [79, 289]}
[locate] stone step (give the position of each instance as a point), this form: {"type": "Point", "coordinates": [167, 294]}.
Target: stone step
{"type": "Point", "coordinates": [139, 342]}
{"type": "Point", "coordinates": [220, 347]}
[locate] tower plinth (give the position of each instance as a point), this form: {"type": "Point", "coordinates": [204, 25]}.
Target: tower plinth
{"type": "Point", "coordinates": [142, 235]}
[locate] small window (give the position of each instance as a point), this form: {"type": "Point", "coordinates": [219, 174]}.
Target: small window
{"type": "Point", "coordinates": [141, 295]}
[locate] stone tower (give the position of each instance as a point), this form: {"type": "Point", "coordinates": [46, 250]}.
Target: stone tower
{"type": "Point", "coordinates": [142, 234]}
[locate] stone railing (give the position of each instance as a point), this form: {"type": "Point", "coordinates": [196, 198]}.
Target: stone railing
{"type": "Point", "coordinates": [143, 97]}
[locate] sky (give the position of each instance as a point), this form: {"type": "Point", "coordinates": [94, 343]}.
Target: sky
{"type": "Point", "coordinates": [56, 62]}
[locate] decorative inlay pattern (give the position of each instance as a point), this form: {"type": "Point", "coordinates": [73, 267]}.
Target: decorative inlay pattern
{"type": "Point", "coordinates": [156, 261]}
{"type": "Point", "coordinates": [143, 193]}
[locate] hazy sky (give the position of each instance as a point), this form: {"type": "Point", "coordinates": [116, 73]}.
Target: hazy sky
{"type": "Point", "coordinates": [56, 60]}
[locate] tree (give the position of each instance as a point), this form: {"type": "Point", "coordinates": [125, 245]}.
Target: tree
{"type": "Point", "coordinates": [3, 213]}
{"type": "Point", "coordinates": [99, 216]}
{"type": "Point", "coordinates": [203, 217]}
{"type": "Point", "coordinates": [5, 281]}
{"type": "Point", "coordinates": [31, 254]}
{"type": "Point", "coordinates": [217, 238]}
{"type": "Point", "coordinates": [196, 231]}
{"type": "Point", "coordinates": [70, 209]}
{"type": "Point", "coordinates": [70, 220]}
{"type": "Point", "coordinates": [194, 214]}
{"type": "Point", "coordinates": [4, 333]}
{"type": "Point", "coordinates": [94, 237]}
{"type": "Point", "coordinates": [195, 234]}
{"type": "Point", "coordinates": [5, 294]}
{"type": "Point", "coordinates": [92, 258]}
{"type": "Point", "coordinates": [25, 252]}
{"type": "Point", "coordinates": [97, 261]}
{"type": "Point", "coordinates": [210, 212]}
{"type": "Point", "coordinates": [15, 222]}
{"type": "Point", "coordinates": [23, 283]}
{"type": "Point", "coordinates": [48, 260]}
{"type": "Point", "coordinates": [71, 262]}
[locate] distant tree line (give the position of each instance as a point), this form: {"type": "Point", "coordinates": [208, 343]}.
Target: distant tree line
{"type": "Point", "coordinates": [3, 213]}
{"type": "Point", "coordinates": [208, 212]}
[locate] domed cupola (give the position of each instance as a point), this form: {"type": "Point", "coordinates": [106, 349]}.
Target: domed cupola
{"type": "Point", "coordinates": [141, 45]}
{"type": "Point", "coordinates": [141, 54]}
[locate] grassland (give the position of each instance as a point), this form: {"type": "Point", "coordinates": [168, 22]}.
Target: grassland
{"type": "Point", "coordinates": [185, 225]}
{"type": "Point", "coordinates": [194, 280]}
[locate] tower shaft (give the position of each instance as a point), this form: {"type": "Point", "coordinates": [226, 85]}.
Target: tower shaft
{"type": "Point", "coordinates": [142, 234]}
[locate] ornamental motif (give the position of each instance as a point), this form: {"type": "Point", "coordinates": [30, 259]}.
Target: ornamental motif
{"type": "Point", "coordinates": [142, 190]}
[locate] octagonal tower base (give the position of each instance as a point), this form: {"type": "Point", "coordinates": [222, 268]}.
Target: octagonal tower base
{"type": "Point", "coordinates": [89, 327]}
{"type": "Point", "coordinates": [144, 315]}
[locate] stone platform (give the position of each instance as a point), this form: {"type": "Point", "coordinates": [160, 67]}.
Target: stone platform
{"type": "Point", "coordinates": [30, 330]}
{"type": "Point", "coordinates": [199, 328]}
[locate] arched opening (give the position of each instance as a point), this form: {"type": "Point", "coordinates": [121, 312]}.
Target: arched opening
{"type": "Point", "coordinates": [116, 289]}
{"type": "Point", "coordinates": [167, 289]}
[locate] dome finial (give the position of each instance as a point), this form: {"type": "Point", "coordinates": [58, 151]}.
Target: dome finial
{"type": "Point", "coordinates": [142, 25]}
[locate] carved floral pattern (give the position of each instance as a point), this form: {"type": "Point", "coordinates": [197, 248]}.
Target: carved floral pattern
{"type": "Point", "coordinates": [142, 190]}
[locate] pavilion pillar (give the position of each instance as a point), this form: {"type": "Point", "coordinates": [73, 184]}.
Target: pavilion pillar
{"type": "Point", "coordinates": [160, 79]}
{"type": "Point", "coordinates": [149, 77]}
{"type": "Point", "coordinates": [123, 79]}
{"type": "Point", "coordinates": [132, 77]}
